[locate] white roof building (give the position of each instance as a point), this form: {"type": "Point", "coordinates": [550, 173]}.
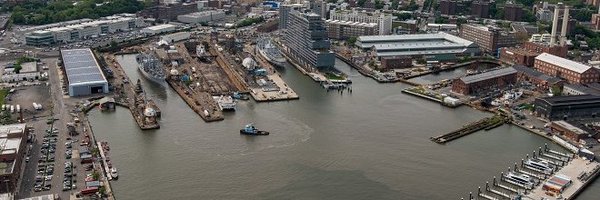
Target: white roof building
{"type": "Point", "coordinates": [563, 62]}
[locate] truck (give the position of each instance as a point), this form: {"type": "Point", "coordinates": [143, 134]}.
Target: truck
{"type": "Point", "coordinates": [18, 108]}
{"type": "Point", "coordinates": [12, 109]}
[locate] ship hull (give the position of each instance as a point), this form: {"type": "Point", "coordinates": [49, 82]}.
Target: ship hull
{"type": "Point", "coordinates": [150, 77]}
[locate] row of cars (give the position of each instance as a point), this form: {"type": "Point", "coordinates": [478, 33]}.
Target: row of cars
{"type": "Point", "coordinates": [45, 170]}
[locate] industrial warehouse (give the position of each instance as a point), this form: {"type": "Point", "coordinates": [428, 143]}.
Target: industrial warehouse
{"type": "Point", "coordinates": [81, 29]}
{"type": "Point", "coordinates": [84, 75]}
{"type": "Point", "coordinates": [437, 46]}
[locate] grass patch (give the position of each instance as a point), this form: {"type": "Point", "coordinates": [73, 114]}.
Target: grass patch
{"type": "Point", "coordinates": [332, 76]}
{"type": "Point", "coordinates": [3, 93]}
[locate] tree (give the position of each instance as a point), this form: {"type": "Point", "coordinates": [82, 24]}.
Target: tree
{"type": "Point", "coordinates": [556, 90]}
{"type": "Point", "coordinates": [351, 40]}
{"type": "Point", "coordinates": [18, 68]}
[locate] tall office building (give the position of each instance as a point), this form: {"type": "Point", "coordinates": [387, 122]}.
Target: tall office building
{"type": "Point", "coordinates": [305, 39]}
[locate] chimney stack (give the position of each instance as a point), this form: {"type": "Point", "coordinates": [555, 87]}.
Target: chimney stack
{"type": "Point", "coordinates": [554, 24]}
{"type": "Point", "coordinates": [565, 24]}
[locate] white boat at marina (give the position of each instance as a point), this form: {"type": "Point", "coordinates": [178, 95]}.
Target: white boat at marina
{"type": "Point", "coordinates": [519, 179]}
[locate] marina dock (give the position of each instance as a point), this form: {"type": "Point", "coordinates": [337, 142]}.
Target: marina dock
{"type": "Point", "coordinates": [486, 123]}
{"type": "Point", "coordinates": [564, 181]}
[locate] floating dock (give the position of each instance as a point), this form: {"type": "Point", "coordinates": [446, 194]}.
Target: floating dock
{"type": "Point", "coordinates": [486, 123]}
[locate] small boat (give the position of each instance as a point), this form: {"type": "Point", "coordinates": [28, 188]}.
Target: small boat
{"type": "Point", "coordinates": [249, 129]}
{"type": "Point", "coordinates": [113, 173]}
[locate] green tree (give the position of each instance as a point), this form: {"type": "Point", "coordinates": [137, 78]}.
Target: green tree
{"type": "Point", "coordinates": [351, 41]}
{"type": "Point", "coordinates": [556, 90]}
{"type": "Point", "coordinates": [18, 68]}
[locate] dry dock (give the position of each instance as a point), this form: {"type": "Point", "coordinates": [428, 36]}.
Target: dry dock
{"type": "Point", "coordinates": [201, 102]}
{"type": "Point", "coordinates": [125, 94]}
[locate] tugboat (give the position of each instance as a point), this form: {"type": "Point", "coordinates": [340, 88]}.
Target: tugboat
{"type": "Point", "coordinates": [113, 173]}
{"type": "Point", "coordinates": [249, 129]}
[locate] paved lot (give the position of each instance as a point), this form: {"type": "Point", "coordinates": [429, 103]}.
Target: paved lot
{"type": "Point", "coordinates": [38, 165]}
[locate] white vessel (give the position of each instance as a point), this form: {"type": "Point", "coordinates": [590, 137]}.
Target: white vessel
{"type": "Point", "coordinates": [226, 103]}
{"type": "Point", "coordinates": [540, 165]}
{"type": "Point", "coordinates": [151, 67]}
{"type": "Point", "coordinates": [113, 173]}
{"type": "Point", "coordinates": [519, 179]}
{"type": "Point", "coordinates": [270, 52]}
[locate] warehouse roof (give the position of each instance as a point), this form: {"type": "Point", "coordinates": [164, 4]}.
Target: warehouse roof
{"type": "Point", "coordinates": [563, 63]}
{"type": "Point", "coordinates": [81, 66]}
{"type": "Point", "coordinates": [488, 75]}
{"type": "Point", "coordinates": [534, 73]}
{"type": "Point", "coordinates": [571, 100]}
{"type": "Point", "coordinates": [412, 39]}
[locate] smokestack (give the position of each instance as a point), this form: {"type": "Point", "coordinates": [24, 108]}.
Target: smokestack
{"type": "Point", "coordinates": [554, 25]}
{"type": "Point", "coordinates": [565, 23]}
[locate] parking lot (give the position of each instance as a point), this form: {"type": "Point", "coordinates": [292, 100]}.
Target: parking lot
{"type": "Point", "coordinates": [52, 165]}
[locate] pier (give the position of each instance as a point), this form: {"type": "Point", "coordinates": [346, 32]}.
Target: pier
{"type": "Point", "coordinates": [575, 174]}
{"type": "Point", "coordinates": [284, 92]}
{"type": "Point", "coordinates": [486, 123]}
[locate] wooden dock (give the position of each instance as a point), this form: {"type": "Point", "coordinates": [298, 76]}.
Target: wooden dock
{"type": "Point", "coordinates": [486, 123]}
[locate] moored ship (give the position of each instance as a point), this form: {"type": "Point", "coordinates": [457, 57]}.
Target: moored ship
{"type": "Point", "coordinates": [270, 52]}
{"type": "Point", "coordinates": [151, 67]}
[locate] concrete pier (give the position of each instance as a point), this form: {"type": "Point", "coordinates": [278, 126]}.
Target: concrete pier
{"type": "Point", "coordinates": [284, 92]}
{"type": "Point", "coordinates": [574, 170]}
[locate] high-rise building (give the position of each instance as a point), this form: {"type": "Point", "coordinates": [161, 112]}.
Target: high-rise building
{"type": "Point", "coordinates": [305, 39]}
{"type": "Point", "coordinates": [384, 21]}
{"type": "Point", "coordinates": [513, 12]}
{"type": "Point", "coordinates": [489, 39]}
{"type": "Point", "coordinates": [448, 7]}
{"type": "Point", "coordinates": [480, 9]}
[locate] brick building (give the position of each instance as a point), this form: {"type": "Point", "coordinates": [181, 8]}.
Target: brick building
{"type": "Point", "coordinates": [396, 62]}
{"type": "Point", "coordinates": [480, 83]}
{"type": "Point", "coordinates": [526, 53]}
{"type": "Point", "coordinates": [569, 131]}
{"type": "Point", "coordinates": [513, 12]}
{"type": "Point", "coordinates": [489, 39]}
{"type": "Point", "coordinates": [542, 81]}
{"type": "Point", "coordinates": [571, 71]}
{"type": "Point", "coordinates": [170, 12]}
{"type": "Point", "coordinates": [480, 9]}
{"type": "Point", "coordinates": [448, 7]}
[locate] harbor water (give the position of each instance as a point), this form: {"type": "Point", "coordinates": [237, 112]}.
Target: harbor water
{"type": "Point", "coordinates": [372, 143]}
